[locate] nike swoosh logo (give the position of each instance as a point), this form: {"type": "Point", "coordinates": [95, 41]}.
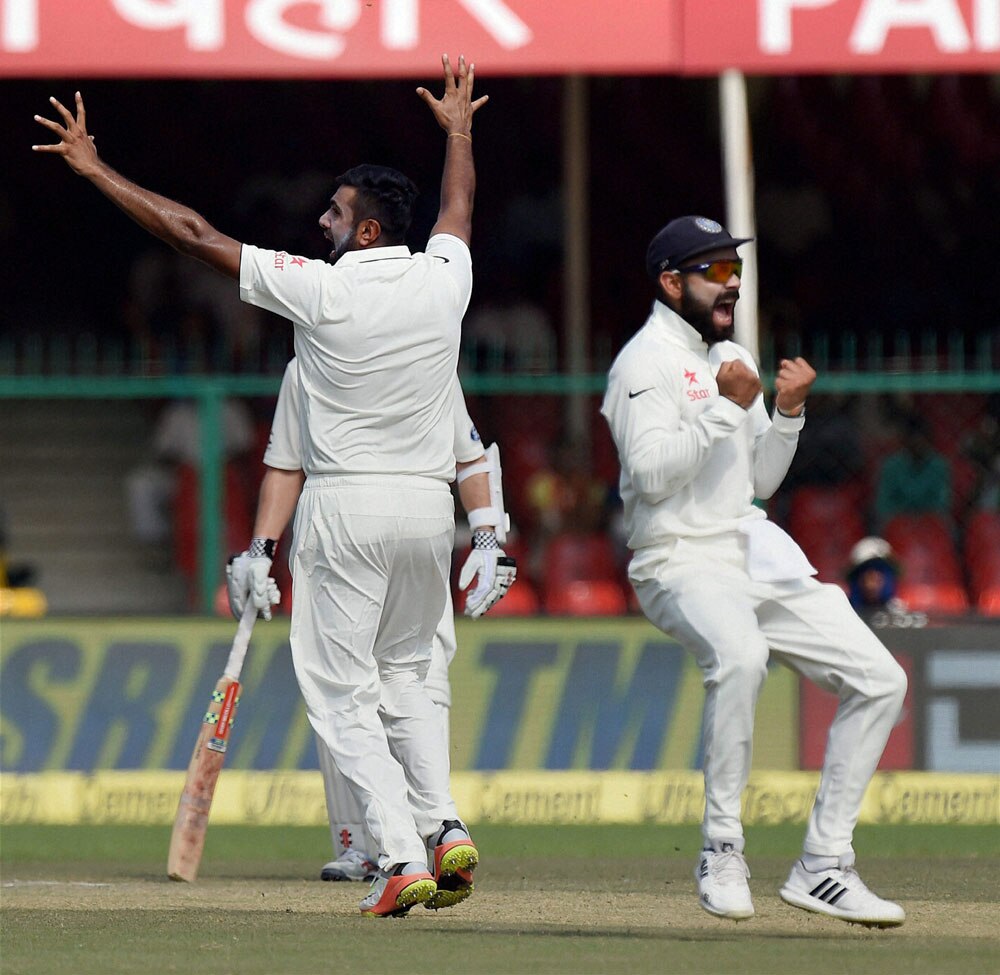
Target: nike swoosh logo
{"type": "Point", "coordinates": [640, 392]}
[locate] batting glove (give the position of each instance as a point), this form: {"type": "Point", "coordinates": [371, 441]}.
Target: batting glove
{"type": "Point", "coordinates": [493, 571]}
{"type": "Point", "coordinates": [248, 577]}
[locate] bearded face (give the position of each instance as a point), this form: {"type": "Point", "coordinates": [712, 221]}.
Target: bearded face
{"type": "Point", "coordinates": [712, 316]}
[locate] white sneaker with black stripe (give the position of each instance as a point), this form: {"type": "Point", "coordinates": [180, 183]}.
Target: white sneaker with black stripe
{"type": "Point", "coordinates": [839, 892]}
{"type": "Point", "coordinates": [722, 876]}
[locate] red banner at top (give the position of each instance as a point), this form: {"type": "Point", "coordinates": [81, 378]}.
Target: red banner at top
{"type": "Point", "coordinates": [404, 38]}
{"type": "Point", "coordinates": [333, 38]}
{"type": "Point", "coordinates": [841, 36]}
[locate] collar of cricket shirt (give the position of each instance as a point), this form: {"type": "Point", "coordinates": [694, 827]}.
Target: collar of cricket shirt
{"type": "Point", "coordinates": [369, 254]}
{"type": "Point", "coordinates": [669, 324]}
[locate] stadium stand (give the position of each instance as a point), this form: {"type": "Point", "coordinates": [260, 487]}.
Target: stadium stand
{"type": "Point", "coordinates": [982, 559]}
{"type": "Point", "coordinates": [932, 576]}
{"type": "Point", "coordinates": [63, 495]}
{"type": "Point", "coordinates": [927, 179]}
{"type": "Point", "coordinates": [587, 597]}
{"type": "Point", "coordinates": [581, 571]}
{"type": "Point", "coordinates": [238, 508]}
{"type": "Point", "coordinates": [521, 600]}
{"type": "Point", "coordinates": [826, 522]}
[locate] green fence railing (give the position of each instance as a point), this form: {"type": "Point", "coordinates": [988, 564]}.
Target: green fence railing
{"type": "Point", "coordinates": [211, 391]}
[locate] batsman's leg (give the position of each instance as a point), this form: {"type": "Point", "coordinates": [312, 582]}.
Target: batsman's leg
{"type": "Point", "coordinates": [355, 855]}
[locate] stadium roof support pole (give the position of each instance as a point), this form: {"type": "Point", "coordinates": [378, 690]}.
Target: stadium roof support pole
{"type": "Point", "coordinates": [737, 164]}
{"type": "Point", "coordinates": [576, 248]}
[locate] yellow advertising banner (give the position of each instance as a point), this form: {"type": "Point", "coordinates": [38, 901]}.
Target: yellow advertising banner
{"type": "Point", "coordinates": [523, 797]}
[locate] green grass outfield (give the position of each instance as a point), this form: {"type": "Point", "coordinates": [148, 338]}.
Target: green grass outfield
{"type": "Point", "coordinates": [95, 901]}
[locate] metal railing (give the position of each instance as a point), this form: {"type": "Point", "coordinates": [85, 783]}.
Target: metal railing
{"type": "Point", "coordinates": [102, 372]}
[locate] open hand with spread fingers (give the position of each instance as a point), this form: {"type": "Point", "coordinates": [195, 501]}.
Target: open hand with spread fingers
{"type": "Point", "coordinates": [455, 108]}
{"type": "Point", "coordinates": [74, 145]}
{"type": "Point", "coordinates": [792, 384]}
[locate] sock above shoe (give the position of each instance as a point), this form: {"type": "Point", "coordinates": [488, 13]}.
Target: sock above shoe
{"type": "Point", "coordinates": [725, 844]}
{"type": "Point", "coordinates": [405, 869]}
{"type": "Point", "coordinates": [451, 831]}
{"type": "Point", "coordinates": [814, 863]}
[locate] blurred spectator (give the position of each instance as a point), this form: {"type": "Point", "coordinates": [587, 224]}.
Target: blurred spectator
{"type": "Point", "coordinates": [508, 332]}
{"type": "Point", "coordinates": [829, 453]}
{"type": "Point", "coordinates": [188, 316]}
{"type": "Point", "coordinates": [982, 449]}
{"type": "Point", "coordinates": [872, 578]}
{"type": "Point", "coordinates": [530, 228]}
{"type": "Point", "coordinates": [794, 214]}
{"type": "Point", "coordinates": [916, 479]}
{"type": "Point", "coordinates": [13, 576]}
{"type": "Point", "coordinates": [150, 487]}
{"type": "Point", "coordinates": [564, 497]}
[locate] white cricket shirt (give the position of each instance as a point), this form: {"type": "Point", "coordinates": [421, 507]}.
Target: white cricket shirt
{"type": "Point", "coordinates": [376, 339]}
{"type": "Point", "coordinates": [284, 445]}
{"type": "Point", "coordinates": [692, 461]}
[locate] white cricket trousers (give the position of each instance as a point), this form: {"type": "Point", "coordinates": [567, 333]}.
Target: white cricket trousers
{"type": "Point", "coordinates": [370, 569]}
{"type": "Point", "coordinates": [700, 593]}
{"type": "Point", "coordinates": [346, 815]}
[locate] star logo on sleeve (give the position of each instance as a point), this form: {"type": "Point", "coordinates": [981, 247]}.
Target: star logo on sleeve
{"type": "Point", "coordinates": [690, 376]}
{"type": "Point", "coordinates": [298, 261]}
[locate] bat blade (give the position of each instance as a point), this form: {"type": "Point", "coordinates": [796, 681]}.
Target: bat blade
{"type": "Point", "coordinates": [187, 841]}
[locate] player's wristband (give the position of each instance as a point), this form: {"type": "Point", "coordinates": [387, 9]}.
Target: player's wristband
{"type": "Point", "coordinates": [485, 538]}
{"type": "Point", "coordinates": [262, 547]}
{"type": "Point", "coordinates": [791, 416]}
{"type": "Point", "coordinates": [483, 517]}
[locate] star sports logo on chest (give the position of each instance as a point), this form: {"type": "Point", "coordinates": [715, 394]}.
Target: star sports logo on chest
{"type": "Point", "coordinates": [699, 392]}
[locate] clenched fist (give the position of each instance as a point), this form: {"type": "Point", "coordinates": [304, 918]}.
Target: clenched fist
{"type": "Point", "coordinates": [738, 382]}
{"type": "Point", "coordinates": [792, 384]}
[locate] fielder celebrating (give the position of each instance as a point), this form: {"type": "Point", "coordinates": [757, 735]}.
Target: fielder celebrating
{"type": "Point", "coordinates": [376, 337]}
{"type": "Point", "coordinates": [696, 447]}
{"type": "Point", "coordinates": [248, 577]}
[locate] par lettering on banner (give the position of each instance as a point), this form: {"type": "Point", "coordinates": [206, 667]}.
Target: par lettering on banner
{"type": "Point", "coordinates": [795, 36]}
{"type": "Point", "coordinates": [943, 20]}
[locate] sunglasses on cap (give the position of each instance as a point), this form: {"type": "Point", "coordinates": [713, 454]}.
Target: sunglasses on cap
{"type": "Point", "coordinates": [718, 272]}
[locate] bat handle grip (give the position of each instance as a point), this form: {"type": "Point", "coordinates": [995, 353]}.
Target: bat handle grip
{"type": "Point", "coordinates": [241, 641]}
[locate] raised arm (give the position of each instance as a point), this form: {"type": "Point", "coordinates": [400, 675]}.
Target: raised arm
{"type": "Point", "coordinates": [454, 113]}
{"type": "Point", "coordinates": [177, 225]}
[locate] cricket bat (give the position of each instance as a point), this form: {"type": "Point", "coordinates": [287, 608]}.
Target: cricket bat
{"type": "Point", "coordinates": [188, 837]}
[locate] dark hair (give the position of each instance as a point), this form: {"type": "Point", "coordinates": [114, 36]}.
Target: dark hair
{"type": "Point", "coordinates": [385, 195]}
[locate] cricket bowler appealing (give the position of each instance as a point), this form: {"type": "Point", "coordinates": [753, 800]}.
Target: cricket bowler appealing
{"type": "Point", "coordinates": [376, 335]}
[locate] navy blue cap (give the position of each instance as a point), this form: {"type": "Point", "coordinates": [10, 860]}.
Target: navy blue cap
{"type": "Point", "coordinates": [686, 237]}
